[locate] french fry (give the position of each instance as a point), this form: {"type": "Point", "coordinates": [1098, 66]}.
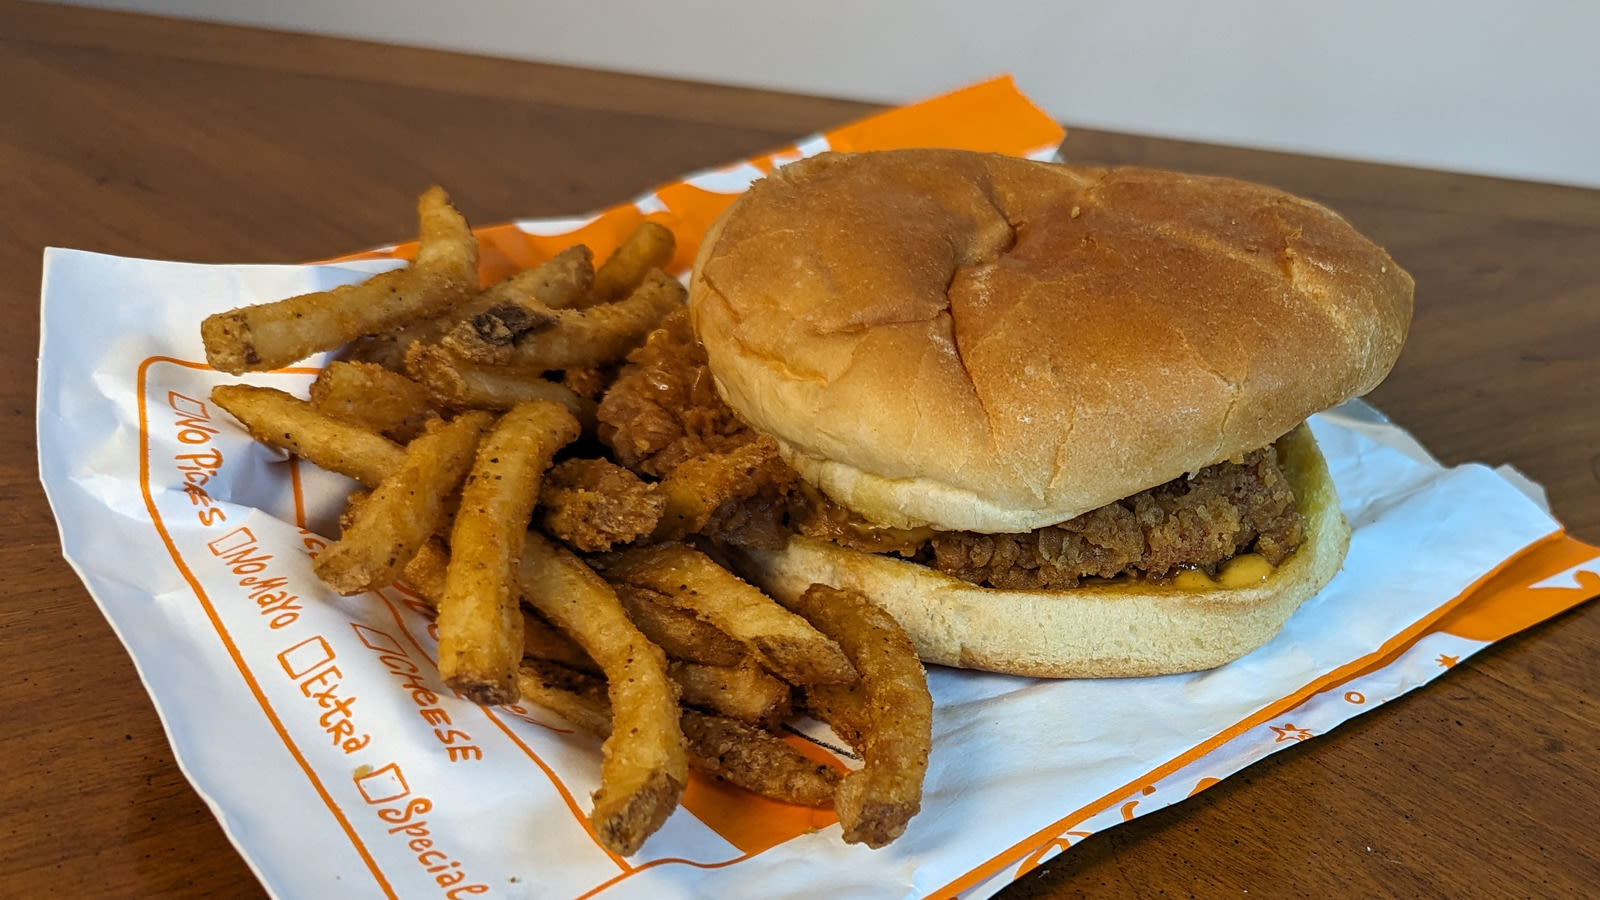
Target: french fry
{"type": "Point", "coordinates": [739, 753]}
{"type": "Point", "coordinates": [649, 247]}
{"type": "Point", "coordinates": [455, 382]}
{"type": "Point", "coordinates": [842, 706]}
{"type": "Point", "coordinates": [592, 505]}
{"type": "Point", "coordinates": [750, 757]}
{"type": "Point", "coordinates": [558, 283]}
{"type": "Point", "coordinates": [382, 350]}
{"type": "Point", "coordinates": [561, 282]}
{"type": "Point", "coordinates": [679, 633]}
{"type": "Point", "coordinates": [784, 642]}
{"type": "Point", "coordinates": [744, 692]}
{"type": "Point", "coordinates": [875, 802]}
{"type": "Point", "coordinates": [486, 337]}
{"type": "Point", "coordinates": [644, 766]}
{"type": "Point", "coordinates": [696, 487]}
{"type": "Point", "coordinates": [543, 641]}
{"type": "Point", "coordinates": [598, 334]}
{"type": "Point", "coordinates": [574, 696]}
{"type": "Point", "coordinates": [425, 573]}
{"type": "Point", "coordinates": [289, 423]}
{"type": "Point", "coordinates": [480, 623]}
{"type": "Point", "coordinates": [371, 396]}
{"type": "Point", "coordinates": [404, 509]}
{"type": "Point", "coordinates": [352, 509]}
{"type": "Point", "coordinates": [272, 335]}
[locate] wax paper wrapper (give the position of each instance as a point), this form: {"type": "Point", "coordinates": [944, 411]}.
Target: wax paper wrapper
{"type": "Point", "coordinates": [317, 729]}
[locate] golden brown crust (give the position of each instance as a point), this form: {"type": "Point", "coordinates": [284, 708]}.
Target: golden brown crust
{"type": "Point", "coordinates": [1112, 630]}
{"type": "Point", "coordinates": [1050, 338]}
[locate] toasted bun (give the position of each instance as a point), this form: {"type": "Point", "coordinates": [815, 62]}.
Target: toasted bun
{"type": "Point", "coordinates": [1108, 630]}
{"type": "Point", "coordinates": [978, 342]}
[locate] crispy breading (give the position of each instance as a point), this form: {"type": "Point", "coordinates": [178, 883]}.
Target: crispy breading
{"type": "Point", "coordinates": [664, 408]}
{"type": "Point", "coordinates": [593, 505]}
{"type": "Point", "coordinates": [1197, 522]}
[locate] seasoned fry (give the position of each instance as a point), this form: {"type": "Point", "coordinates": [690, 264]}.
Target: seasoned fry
{"type": "Point", "coordinates": [382, 350]}
{"type": "Point", "coordinates": [561, 282]}
{"type": "Point", "coordinates": [289, 423]}
{"type": "Point", "coordinates": [480, 623]}
{"type": "Point", "coordinates": [352, 509]}
{"type": "Point", "coordinates": [876, 802]}
{"type": "Point", "coordinates": [576, 697]}
{"type": "Point", "coordinates": [783, 642]}
{"type": "Point", "coordinates": [598, 334]}
{"type": "Point", "coordinates": [271, 335]}
{"type": "Point", "coordinates": [371, 396]}
{"type": "Point", "coordinates": [486, 337]}
{"type": "Point", "coordinates": [744, 692]}
{"type": "Point", "coordinates": [592, 505]}
{"type": "Point", "coordinates": [404, 509]}
{"type": "Point", "coordinates": [697, 487]}
{"type": "Point", "coordinates": [649, 247]}
{"type": "Point", "coordinates": [558, 283]}
{"type": "Point", "coordinates": [645, 766]}
{"type": "Point", "coordinates": [425, 573]}
{"type": "Point", "coordinates": [677, 632]}
{"type": "Point", "coordinates": [541, 640]}
{"type": "Point", "coordinates": [741, 754]}
{"type": "Point", "coordinates": [452, 381]}
{"type": "Point", "coordinates": [753, 758]}
{"type": "Point", "coordinates": [842, 706]}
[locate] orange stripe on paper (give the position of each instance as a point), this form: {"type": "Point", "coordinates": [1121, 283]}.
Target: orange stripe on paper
{"type": "Point", "coordinates": [1381, 656]}
{"type": "Point", "coordinates": [1511, 603]}
{"type": "Point", "coordinates": [216, 620]}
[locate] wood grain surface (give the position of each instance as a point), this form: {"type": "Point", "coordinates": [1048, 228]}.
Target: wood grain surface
{"type": "Point", "coordinates": [173, 140]}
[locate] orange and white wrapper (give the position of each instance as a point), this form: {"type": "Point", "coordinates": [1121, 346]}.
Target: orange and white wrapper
{"type": "Point", "coordinates": [317, 729]}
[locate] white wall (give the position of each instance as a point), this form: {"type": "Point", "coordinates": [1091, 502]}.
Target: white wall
{"type": "Point", "coordinates": [1508, 88]}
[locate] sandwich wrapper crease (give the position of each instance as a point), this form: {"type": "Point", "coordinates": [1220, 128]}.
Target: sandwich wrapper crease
{"type": "Point", "coordinates": [318, 731]}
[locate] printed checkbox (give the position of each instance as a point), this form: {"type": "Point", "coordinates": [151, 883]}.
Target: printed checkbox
{"type": "Point", "coordinates": [236, 539]}
{"type": "Point", "coordinates": [382, 785]}
{"type": "Point", "coordinates": [305, 657]}
{"type": "Point", "coordinates": [374, 639]}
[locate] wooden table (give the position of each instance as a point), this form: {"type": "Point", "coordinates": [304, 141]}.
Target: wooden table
{"type": "Point", "coordinates": [154, 138]}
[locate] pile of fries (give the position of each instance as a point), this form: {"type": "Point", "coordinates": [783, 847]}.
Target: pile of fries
{"type": "Point", "coordinates": [449, 405]}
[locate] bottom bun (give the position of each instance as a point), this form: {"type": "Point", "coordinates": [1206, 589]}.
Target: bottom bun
{"type": "Point", "coordinates": [1118, 628]}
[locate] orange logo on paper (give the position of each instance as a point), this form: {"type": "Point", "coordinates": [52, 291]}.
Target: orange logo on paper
{"type": "Point", "coordinates": [1033, 859]}
{"type": "Point", "coordinates": [1288, 732]}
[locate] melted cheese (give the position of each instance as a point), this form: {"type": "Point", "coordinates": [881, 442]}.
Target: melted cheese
{"type": "Point", "coordinates": [1242, 571]}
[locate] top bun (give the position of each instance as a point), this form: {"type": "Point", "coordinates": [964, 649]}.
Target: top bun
{"type": "Point", "coordinates": [979, 342]}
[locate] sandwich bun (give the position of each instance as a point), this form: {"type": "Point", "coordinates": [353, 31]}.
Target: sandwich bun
{"type": "Point", "coordinates": [1124, 627]}
{"type": "Point", "coordinates": [978, 342]}
{"type": "Point", "coordinates": [971, 342]}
